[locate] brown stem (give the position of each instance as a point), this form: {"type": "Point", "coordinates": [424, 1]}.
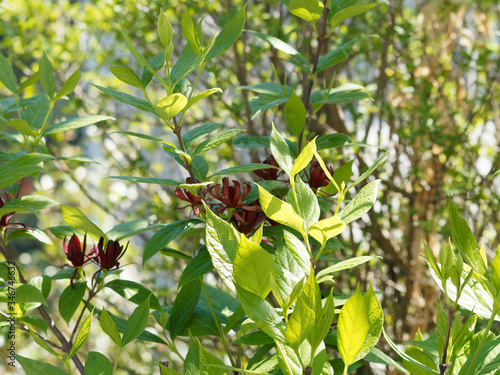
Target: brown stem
{"type": "Point", "coordinates": [321, 41]}
{"type": "Point", "coordinates": [443, 366]}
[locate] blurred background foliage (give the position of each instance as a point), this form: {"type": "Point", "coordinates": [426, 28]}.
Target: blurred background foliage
{"type": "Point", "coordinates": [432, 68]}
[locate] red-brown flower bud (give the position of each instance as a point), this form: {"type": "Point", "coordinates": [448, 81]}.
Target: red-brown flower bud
{"type": "Point", "coordinates": [189, 197]}
{"type": "Point", "coordinates": [317, 176]}
{"type": "Point", "coordinates": [75, 252]}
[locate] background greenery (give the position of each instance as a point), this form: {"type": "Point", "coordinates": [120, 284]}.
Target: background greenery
{"type": "Point", "coordinates": [433, 72]}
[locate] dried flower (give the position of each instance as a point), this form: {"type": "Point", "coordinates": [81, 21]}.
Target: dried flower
{"type": "Point", "coordinates": [317, 176]}
{"type": "Point", "coordinates": [108, 257]}
{"type": "Point", "coordinates": [269, 173]}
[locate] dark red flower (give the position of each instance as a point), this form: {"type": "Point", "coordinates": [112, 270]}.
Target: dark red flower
{"type": "Point", "coordinates": [317, 176]}
{"type": "Point", "coordinates": [189, 197]}
{"type": "Point", "coordinates": [269, 173]}
{"type": "Point", "coordinates": [230, 196]}
{"type": "Point", "coordinates": [75, 252]}
{"type": "Point", "coordinates": [108, 257]}
{"type": "Point", "coordinates": [247, 218]}
{"type": "Point", "coordinates": [4, 220]}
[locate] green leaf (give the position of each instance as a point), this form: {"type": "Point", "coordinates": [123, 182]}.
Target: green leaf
{"type": "Point", "coordinates": [187, 62]}
{"type": "Point", "coordinates": [280, 211]}
{"type": "Point", "coordinates": [361, 203]}
{"type": "Point", "coordinates": [33, 233]}
{"type": "Point", "coordinates": [215, 141]}
{"type": "Point", "coordinates": [189, 32]}
{"type": "Point", "coordinates": [228, 35]}
{"type": "Point", "coordinates": [167, 370]}
{"type": "Point", "coordinates": [262, 313]}
{"type": "Point", "coordinates": [325, 274]}
{"type": "Point", "coordinates": [77, 220]}
{"type": "Point", "coordinates": [134, 292]}
{"type": "Point", "coordinates": [325, 321]}
{"type": "Point", "coordinates": [166, 235]}
{"type": "Point", "coordinates": [29, 82]}
{"type": "Point", "coordinates": [337, 55]}
{"type": "Point", "coordinates": [36, 321]}
{"type": "Point", "coordinates": [21, 126]}
{"type": "Point", "coordinates": [185, 302]}
{"type": "Point", "coordinates": [304, 158]}
{"type": "Point", "coordinates": [69, 85]}
{"type": "Point", "coordinates": [309, 10]}
{"type": "Point", "coordinates": [331, 140]}
{"type": "Point", "coordinates": [7, 76]}
{"type": "Point", "coordinates": [349, 12]}
{"type": "Point", "coordinates": [298, 251]}
{"type": "Point", "coordinates": [243, 169]}
{"type": "Point", "coordinates": [47, 76]}
{"type": "Point", "coordinates": [129, 229]}
{"type": "Point", "coordinates": [299, 324]}
{"type": "Point", "coordinates": [165, 31]}
{"type": "Point", "coordinates": [70, 299]}
{"type": "Point", "coordinates": [37, 110]}
{"type": "Point", "coordinates": [347, 92]}
{"type": "Point", "coordinates": [43, 344]}
{"type": "Point", "coordinates": [251, 141]}
{"type": "Point", "coordinates": [128, 99]}
{"type": "Point", "coordinates": [143, 136]}
{"type": "Point", "coordinates": [197, 267]}
{"type": "Point", "coordinates": [465, 240]}
{"type": "Point", "coordinates": [126, 75]}
{"type": "Point", "coordinates": [137, 322]}
{"type": "Point", "coordinates": [328, 228]}
{"type": "Point", "coordinates": [32, 367]}
{"type": "Point", "coordinates": [222, 242]}
{"type": "Point", "coordinates": [148, 180]}
{"type": "Point", "coordinates": [281, 152]}
{"type": "Point", "coordinates": [264, 102]}
{"type": "Point", "coordinates": [253, 268]}
{"type": "Point", "coordinates": [307, 206]}
{"type": "Point", "coordinates": [82, 336]}
{"type": "Point", "coordinates": [30, 203]}
{"type": "Point", "coordinates": [495, 270]}
{"type": "Point", "coordinates": [285, 48]}
{"type": "Point", "coordinates": [200, 131]}
{"type": "Point", "coordinates": [108, 325]}
{"type": "Point", "coordinates": [295, 114]}
{"type": "Point", "coordinates": [75, 123]}
{"type": "Point", "coordinates": [98, 364]}
{"type": "Point", "coordinates": [27, 293]}
{"type": "Point", "coordinates": [420, 356]}
{"type": "Point", "coordinates": [23, 166]}
{"type": "Point", "coordinates": [359, 326]}
{"type": "Point", "coordinates": [156, 63]}
{"type": "Point", "coordinates": [201, 95]}
{"type": "Point", "coordinates": [369, 171]}
{"type": "Point", "coordinates": [168, 107]}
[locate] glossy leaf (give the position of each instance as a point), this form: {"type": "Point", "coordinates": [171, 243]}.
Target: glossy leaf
{"type": "Point", "coordinates": [70, 300]}
{"type": "Point", "coordinates": [77, 220]}
{"type": "Point", "coordinates": [20, 167]}
{"type": "Point", "coordinates": [187, 62]}
{"type": "Point", "coordinates": [222, 242]}
{"type": "Point", "coordinates": [166, 235]}
{"type": "Point", "coordinates": [280, 211]}
{"type": "Point", "coordinates": [307, 202]}
{"type": "Point", "coordinates": [299, 324]}
{"type": "Point", "coordinates": [228, 35]}
{"type": "Point", "coordinates": [165, 31]}
{"type": "Point", "coordinates": [361, 203]}
{"type": "Point", "coordinates": [191, 136]}
{"type": "Point", "coordinates": [81, 336]}
{"type": "Point", "coordinates": [98, 364]}
{"type": "Point", "coordinates": [216, 141]}
{"type": "Point", "coordinates": [326, 273]}
{"type": "Point", "coordinates": [33, 367]}
{"type": "Point", "coordinates": [47, 78]}
{"type": "Point", "coordinates": [349, 12]}
{"type": "Point", "coordinates": [197, 267]}
{"type": "Point", "coordinates": [69, 85]}
{"type": "Point", "coordinates": [126, 75]}
{"type": "Point", "coordinates": [243, 169]}
{"type": "Point", "coordinates": [295, 114]}
{"type": "Point", "coordinates": [75, 123]}
{"type": "Point", "coordinates": [128, 99]}
{"type": "Point", "coordinates": [44, 345]}
{"type": "Point", "coordinates": [130, 228]}
{"type": "Point", "coordinates": [137, 322]}
{"type": "Point", "coordinates": [281, 152]}
{"type": "Point", "coordinates": [345, 93]}
{"type": "Point", "coordinates": [201, 95]}
{"type": "Point", "coordinates": [168, 107]}
{"type": "Point", "coordinates": [189, 32]}
{"type": "Point", "coordinates": [369, 171]}
{"type": "Point", "coordinates": [183, 308]}
{"type": "Point", "coordinates": [304, 158]}
{"type": "Point", "coordinates": [30, 203]}
{"type": "Point", "coordinates": [309, 10]}
{"type": "Point", "coordinates": [328, 228]}
{"type": "Point", "coordinates": [22, 127]}
{"type": "Point", "coordinates": [359, 326]}
{"type": "Point", "coordinates": [108, 325]}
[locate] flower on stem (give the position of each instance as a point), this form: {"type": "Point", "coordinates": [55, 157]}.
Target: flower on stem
{"type": "Point", "coordinates": [189, 197]}
{"type": "Point", "coordinates": [230, 196]}
{"type": "Point", "coordinates": [76, 253]}
{"type": "Point", "coordinates": [317, 176]}
{"type": "Point", "coordinates": [108, 255]}
{"type": "Point", "coordinates": [4, 220]}
{"type": "Point", "coordinates": [269, 173]}
{"type": "Point", "coordinates": [247, 218]}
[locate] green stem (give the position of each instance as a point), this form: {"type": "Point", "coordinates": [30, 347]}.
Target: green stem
{"type": "Point", "coordinates": [221, 332]}
{"type": "Point", "coordinates": [483, 341]}
{"type": "Point", "coordinates": [117, 358]}
{"type": "Point", "coordinates": [68, 366]}
{"type": "Point", "coordinates": [43, 127]}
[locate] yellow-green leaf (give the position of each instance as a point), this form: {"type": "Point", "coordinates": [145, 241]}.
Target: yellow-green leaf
{"type": "Point", "coordinates": [325, 229]}
{"type": "Point", "coordinates": [168, 107]}
{"type": "Point", "coordinates": [309, 10]}
{"type": "Point", "coordinates": [304, 158]}
{"type": "Point", "coordinates": [77, 220]}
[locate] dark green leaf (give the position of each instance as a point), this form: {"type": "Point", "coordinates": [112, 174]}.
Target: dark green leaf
{"type": "Point", "coordinates": [129, 229]}
{"type": "Point", "coordinates": [128, 99]}
{"type": "Point", "coordinates": [32, 367]}
{"type": "Point", "coordinates": [187, 62]}
{"type": "Point", "coordinates": [27, 293]}
{"type": "Point", "coordinates": [216, 140]}
{"type": "Point", "coordinates": [183, 307]}
{"type": "Point", "coordinates": [69, 85]}
{"type": "Point", "coordinates": [228, 35]}
{"type": "Point", "coordinates": [200, 131]}
{"type": "Point", "coordinates": [197, 267]}
{"type": "Point", "coordinates": [137, 322]}
{"type": "Point", "coordinates": [47, 76]}
{"type": "Point", "coordinates": [108, 325]}
{"type": "Point", "coordinates": [98, 364]}
{"type": "Point", "coordinates": [243, 169]}
{"type": "Point", "coordinates": [295, 114]}
{"type": "Point", "coordinates": [126, 75]}
{"type": "Point", "coordinates": [252, 141]}
{"type": "Point", "coordinates": [70, 300]}
{"type": "Point", "coordinates": [7, 76]}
